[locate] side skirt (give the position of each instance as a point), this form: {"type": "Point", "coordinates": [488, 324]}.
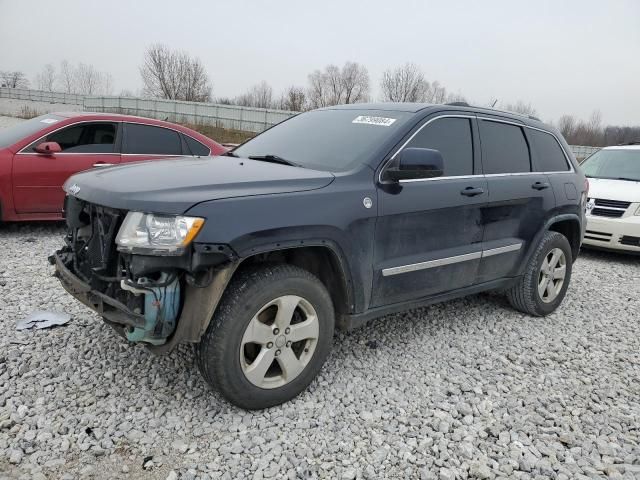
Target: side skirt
{"type": "Point", "coordinates": [353, 321]}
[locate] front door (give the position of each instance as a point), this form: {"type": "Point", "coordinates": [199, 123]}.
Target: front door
{"type": "Point", "coordinates": [519, 198]}
{"type": "Point", "coordinates": [38, 178]}
{"type": "Point", "coordinates": [428, 236]}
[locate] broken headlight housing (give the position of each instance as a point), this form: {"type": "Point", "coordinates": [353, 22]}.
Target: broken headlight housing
{"type": "Point", "coordinates": [152, 234]}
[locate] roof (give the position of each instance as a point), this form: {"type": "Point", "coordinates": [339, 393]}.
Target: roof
{"type": "Point", "coordinates": [417, 107]}
{"type": "Point", "coordinates": [119, 116]}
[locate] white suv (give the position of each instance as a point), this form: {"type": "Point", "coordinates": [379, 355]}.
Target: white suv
{"type": "Point", "coordinates": [613, 207]}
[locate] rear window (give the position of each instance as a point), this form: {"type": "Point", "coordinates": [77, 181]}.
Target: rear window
{"type": "Point", "coordinates": [195, 147]}
{"type": "Point", "coordinates": [549, 156]}
{"type": "Point", "coordinates": [11, 135]}
{"type": "Point", "coordinates": [150, 140]}
{"type": "Point", "coordinates": [504, 148]}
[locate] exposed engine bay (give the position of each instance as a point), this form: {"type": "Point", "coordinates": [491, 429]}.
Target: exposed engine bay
{"type": "Point", "coordinates": [141, 296]}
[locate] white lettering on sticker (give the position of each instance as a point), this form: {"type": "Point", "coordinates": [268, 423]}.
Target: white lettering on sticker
{"type": "Point", "coordinates": [368, 120]}
{"type": "Point", "coordinates": [48, 120]}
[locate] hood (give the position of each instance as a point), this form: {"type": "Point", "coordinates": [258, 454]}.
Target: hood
{"type": "Point", "coordinates": [173, 186]}
{"type": "Point", "coordinates": [622, 190]}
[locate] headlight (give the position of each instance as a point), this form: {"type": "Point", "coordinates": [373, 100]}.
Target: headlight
{"type": "Point", "coordinates": [157, 234]}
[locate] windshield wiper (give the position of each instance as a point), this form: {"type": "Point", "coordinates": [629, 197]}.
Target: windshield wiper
{"type": "Point", "coordinates": [627, 179]}
{"type": "Point", "coordinates": [273, 159]}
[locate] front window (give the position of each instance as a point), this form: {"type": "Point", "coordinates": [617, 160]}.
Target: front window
{"type": "Point", "coordinates": [86, 137]}
{"type": "Point", "coordinates": [617, 164]}
{"type": "Point", "coordinates": [331, 140]}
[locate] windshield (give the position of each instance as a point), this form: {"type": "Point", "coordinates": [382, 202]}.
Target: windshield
{"type": "Point", "coordinates": [331, 140]}
{"type": "Point", "coordinates": [617, 164]}
{"type": "Point", "coordinates": [11, 135]}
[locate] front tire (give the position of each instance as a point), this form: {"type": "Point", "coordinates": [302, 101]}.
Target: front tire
{"type": "Point", "coordinates": [546, 278]}
{"type": "Point", "coordinates": [269, 337]}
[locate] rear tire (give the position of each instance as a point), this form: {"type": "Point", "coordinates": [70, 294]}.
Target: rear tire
{"type": "Point", "coordinates": [546, 278]}
{"type": "Point", "coordinates": [269, 337]}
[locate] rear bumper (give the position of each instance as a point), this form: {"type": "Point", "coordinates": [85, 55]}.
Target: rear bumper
{"type": "Point", "coordinates": [613, 233]}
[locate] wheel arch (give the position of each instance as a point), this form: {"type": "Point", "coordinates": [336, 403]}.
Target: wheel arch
{"type": "Point", "coordinates": [569, 226]}
{"type": "Point", "coordinates": [320, 258]}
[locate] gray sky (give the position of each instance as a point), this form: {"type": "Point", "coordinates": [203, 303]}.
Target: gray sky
{"type": "Point", "coordinates": [569, 56]}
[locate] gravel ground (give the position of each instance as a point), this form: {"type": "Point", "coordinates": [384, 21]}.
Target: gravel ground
{"type": "Point", "coordinates": [12, 107]}
{"type": "Point", "coordinates": [465, 389]}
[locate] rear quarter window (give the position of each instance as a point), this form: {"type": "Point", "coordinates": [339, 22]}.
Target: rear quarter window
{"type": "Point", "coordinates": [548, 155]}
{"type": "Point", "coordinates": [195, 147]}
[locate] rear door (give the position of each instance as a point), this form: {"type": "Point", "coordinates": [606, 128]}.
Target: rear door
{"type": "Point", "coordinates": [38, 178]}
{"type": "Point", "coordinates": [428, 236]}
{"type": "Point", "coordinates": [519, 198]}
{"type": "Point", "coordinates": [148, 142]}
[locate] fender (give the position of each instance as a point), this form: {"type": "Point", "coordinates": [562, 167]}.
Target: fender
{"type": "Point", "coordinates": [331, 245]}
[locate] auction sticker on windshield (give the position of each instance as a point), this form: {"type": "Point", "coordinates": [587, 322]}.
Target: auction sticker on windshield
{"type": "Point", "coordinates": [381, 121]}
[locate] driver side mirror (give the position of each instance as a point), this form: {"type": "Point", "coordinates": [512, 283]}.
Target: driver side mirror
{"type": "Point", "coordinates": [417, 163]}
{"type": "Point", "coordinates": [48, 148]}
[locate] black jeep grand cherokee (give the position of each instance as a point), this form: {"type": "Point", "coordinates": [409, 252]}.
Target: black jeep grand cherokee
{"type": "Point", "coordinates": [329, 219]}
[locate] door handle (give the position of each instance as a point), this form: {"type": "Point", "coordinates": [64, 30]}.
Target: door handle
{"type": "Point", "coordinates": [102, 164]}
{"type": "Point", "coordinates": [472, 191]}
{"type": "Point", "coordinates": [540, 185]}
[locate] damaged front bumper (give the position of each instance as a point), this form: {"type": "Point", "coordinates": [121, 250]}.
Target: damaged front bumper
{"type": "Point", "coordinates": [198, 304]}
{"type": "Point", "coordinates": [159, 301]}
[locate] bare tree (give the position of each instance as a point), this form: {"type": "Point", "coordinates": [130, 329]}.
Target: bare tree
{"type": "Point", "coordinates": [355, 83]}
{"type": "Point", "coordinates": [293, 99]}
{"type": "Point", "coordinates": [45, 80]}
{"type": "Point", "coordinates": [83, 79]}
{"type": "Point", "coordinates": [14, 79]}
{"type": "Point", "coordinates": [335, 86]}
{"type": "Point", "coordinates": [174, 75]}
{"type": "Point", "coordinates": [456, 97]}
{"type": "Point", "coordinates": [259, 96]}
{"type": "Point", "coordinates": [436, 93]}
{"type": "Point", "coordinates": [66, 78]}
{"type": "Point", "coordinates": [404, 84]}
{"type": "Point", "coordinates": [520, 107]}
{"type": "Point", "coordinates": [567, 125]}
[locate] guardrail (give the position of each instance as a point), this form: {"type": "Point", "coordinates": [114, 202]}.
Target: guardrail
{"type": "Point", "coordinates": [42, 96]}
{"type": "Point", "coordinates": [232, 117]}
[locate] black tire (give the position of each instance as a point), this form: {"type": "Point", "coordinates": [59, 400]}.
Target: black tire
{"type": "Point", "coordinates": [524, 295]}
{"type": "Point", "coordinates": [219, 351]}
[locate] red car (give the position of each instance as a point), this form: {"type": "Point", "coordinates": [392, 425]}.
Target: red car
{"type": "Point", "coordinates": [38, 155]}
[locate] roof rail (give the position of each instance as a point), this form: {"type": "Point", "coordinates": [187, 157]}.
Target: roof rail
{"type": "Point", "coordinates": [458, 104]}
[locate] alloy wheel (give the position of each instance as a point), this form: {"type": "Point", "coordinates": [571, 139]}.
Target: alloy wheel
{"type": "Point", "coordinates": [279, 341]}
{"type": "Point", "coordinates": [552, 274]}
